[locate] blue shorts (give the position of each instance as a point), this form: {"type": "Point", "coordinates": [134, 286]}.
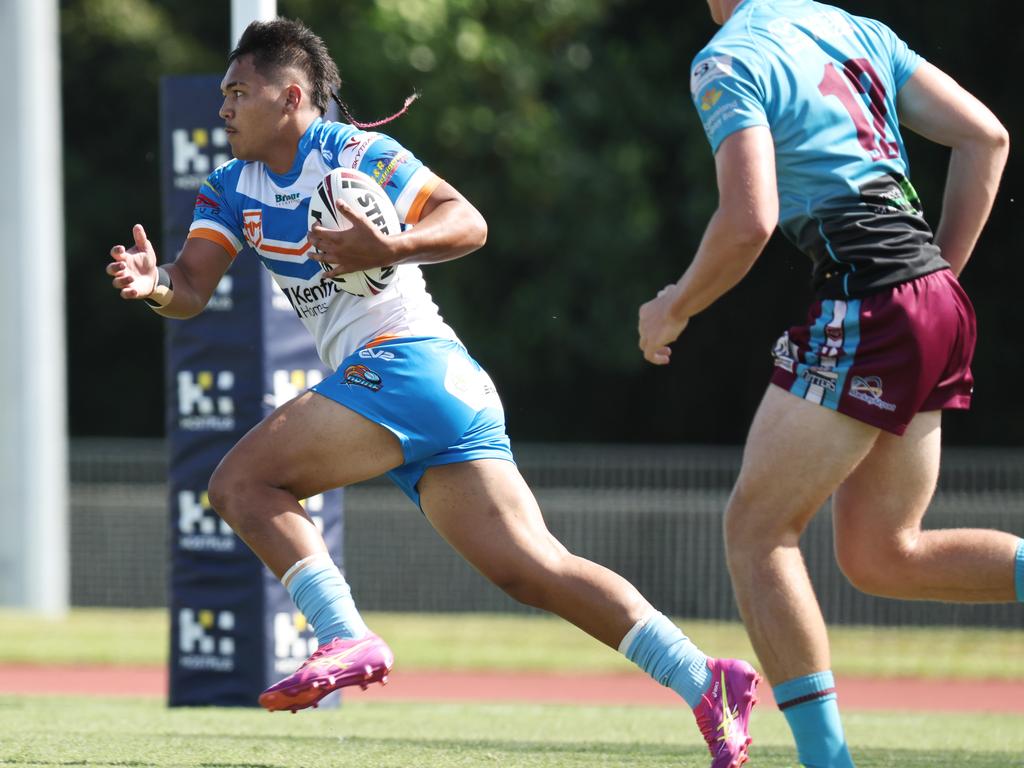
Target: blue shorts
{"type": "Point", "coordinates": [435, 398]}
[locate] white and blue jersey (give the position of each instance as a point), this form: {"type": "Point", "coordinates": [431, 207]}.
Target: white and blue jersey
{"type": "Point", "coordinates": [245, 203]}
{"type": "Point", "coordinates": [395, 360]}
{"type": "Point", "coordinates": [825, 83]}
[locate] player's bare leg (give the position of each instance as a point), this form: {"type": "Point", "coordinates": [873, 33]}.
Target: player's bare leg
{"type": "Point", "coordinates": [879, 543]}
{"type": "Point", "coordinates": [485, 510]}
{"type": "Point", "coordinates": [796, 454]}
{"type": "Point", "coordinates": [307, 446]}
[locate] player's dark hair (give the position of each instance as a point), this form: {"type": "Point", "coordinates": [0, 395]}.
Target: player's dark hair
{"type": "Point", "coordinates": [280, 43]}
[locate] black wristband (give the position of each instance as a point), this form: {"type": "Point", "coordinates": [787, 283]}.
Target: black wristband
{"type": "Point", "coordinates": [162, 291]}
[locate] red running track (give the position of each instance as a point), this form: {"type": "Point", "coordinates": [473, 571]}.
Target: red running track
{"type": "Point", "coordinates": [614, 689]}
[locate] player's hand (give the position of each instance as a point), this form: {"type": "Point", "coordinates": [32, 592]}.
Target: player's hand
{"type": "Point", "coordinates": [134, 269]}
{"type": "Point", "coordinates": [658, 328]}
{"type": "Point", "coordinates": [361, 246]}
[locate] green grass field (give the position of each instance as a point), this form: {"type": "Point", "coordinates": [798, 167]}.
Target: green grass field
{"type": "Point", "coordinates": [75, 731]}
{"type": "Point", "coordinates": [484, 641]}
{"type": "Point", "coordinates": [42, 731]}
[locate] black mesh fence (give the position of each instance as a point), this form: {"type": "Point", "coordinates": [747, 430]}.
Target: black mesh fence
{"type": "Point", "coordinates": [652, 513]}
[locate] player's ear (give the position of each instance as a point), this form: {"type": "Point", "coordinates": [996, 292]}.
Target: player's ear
{"type": "Point", "coordinates": [293, 97]}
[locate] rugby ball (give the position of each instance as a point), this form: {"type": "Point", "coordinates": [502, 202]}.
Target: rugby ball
{"type": "Point", "coordinates": [366, 197]}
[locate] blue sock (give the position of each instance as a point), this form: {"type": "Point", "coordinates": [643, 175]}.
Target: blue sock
{"type": "Point", "coordinates": [810, 706]}
{"type": "Point", "coordinates": [660, 649]}
{"type": "Point", "coordinates": [325, 598]}
{"type": "Point", "coordinates": [1018, 572]}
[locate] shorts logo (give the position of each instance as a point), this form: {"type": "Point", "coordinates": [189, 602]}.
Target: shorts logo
{"type": "Point", "coordinates": [868, 389]}
{"type": "Point", "coordinates": [784, 353]}
{"type": "Point", "coordinates": [362, 376]}
{"type": "Point", "coordinates": [821, 377]}
{"type": "Point", "coordinates": [379, 354]}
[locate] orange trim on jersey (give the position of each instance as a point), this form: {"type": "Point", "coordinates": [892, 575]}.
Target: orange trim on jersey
{"type": "Point", "coordinates": [416, 209]}
{"type": "Point", "coordinates": [214, 237]}
{"type": "Point", "coordinates": [381, 340]}
{"type": "Point", "coordinates": [280, 249]}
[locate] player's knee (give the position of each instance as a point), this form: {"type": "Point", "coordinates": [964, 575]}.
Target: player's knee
{"type": "Point", "coordinates": [874, 565]}
{"type": "Point", "coordinates": [520, 585]}
{"type": "Point", "coordinates": [748, 527]}
{"type": "Point", "coordinates": [527, 581]}
{"type": "Point", "coordinates": [226, 491]}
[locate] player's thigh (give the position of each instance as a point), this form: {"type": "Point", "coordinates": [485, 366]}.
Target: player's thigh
{"type": "Point", "coordinates": [488, 514]}
{"type": "Point", "coordinates": [797, 453]}
{"type": "Point", "coordinates": [310, 445]}
{"type": "Point", "coordinates": [885, 498]}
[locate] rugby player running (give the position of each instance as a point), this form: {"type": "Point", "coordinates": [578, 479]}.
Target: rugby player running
{"type": "Point", "coordinates": [429, 416]}
{"type": "Point", "coordinates": [803, 105]}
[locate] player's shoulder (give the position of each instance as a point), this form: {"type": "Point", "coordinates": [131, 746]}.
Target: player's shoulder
{"type": "Point", "coordinates": [224, 178]}
{"type": "Point", "coordinates": [734, 43]}
{"type": "Point", "coordinates": [345, 146]}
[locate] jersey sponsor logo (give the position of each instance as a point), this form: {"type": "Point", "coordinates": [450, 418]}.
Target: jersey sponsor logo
{"type": "Point", "coordinates": [252, 226]}
{"type": "Point", "coordinates": [310, 301]}
{"type": "Point", "coordinates": [383, 172]}
{"type": "Point", "coordinates": [279, 198]}
{"type": "Point", "coordinates": [355, 148]}
{"type": "Point", "coordinates": [709, 70]}
{"type": "Point", "coordinates": [868, 389]}
{"type": "Point", "coordinates": [206, 639]}
{"type": "Point", "coordinates": [714, 119]}
{"type": "Point", "coordinates": [211, 205]}
{"type": "Point", "coordinates": [361, 376]}
{"type": "Point", "coordinates": [795, 34]}
{"type": "Point", "coordinates": [710, 98]}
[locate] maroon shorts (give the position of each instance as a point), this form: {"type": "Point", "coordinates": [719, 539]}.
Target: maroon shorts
{"type": "Point", "coordinates": [886, 357]}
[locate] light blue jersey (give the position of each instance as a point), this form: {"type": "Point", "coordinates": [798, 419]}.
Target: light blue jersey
{"type": "Point", "coordinates": [825, 83]}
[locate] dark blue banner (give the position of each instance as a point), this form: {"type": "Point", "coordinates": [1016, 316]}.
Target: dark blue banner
{"type": "Point", "coordinates": [234, 629]}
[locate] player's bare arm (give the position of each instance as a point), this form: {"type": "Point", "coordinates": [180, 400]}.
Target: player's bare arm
{"type": "Point", "coordinates": [449, 227]}
{"type": "Point", "coordinates": [748, 210]}
{"type": "Point", "coordinates": [933, 105]}
{"type": "Point", "coordinates": [185, 286]}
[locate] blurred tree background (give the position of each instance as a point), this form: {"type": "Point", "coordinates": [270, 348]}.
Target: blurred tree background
{"type": "Point", "coordinates": [569, 124]}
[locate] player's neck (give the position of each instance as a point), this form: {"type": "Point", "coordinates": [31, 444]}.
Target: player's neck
{"type": "Point", "coordinates": [728, 8]}
{"type": "Point", "coordinates": [281, 156]}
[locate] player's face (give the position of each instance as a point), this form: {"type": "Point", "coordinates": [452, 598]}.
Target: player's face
{"type": "Point", "coordinates": [253, 110]}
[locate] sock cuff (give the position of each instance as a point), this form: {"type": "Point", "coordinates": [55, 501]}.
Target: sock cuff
{"type": "Point", "coordinates": [303, 565]}
{"type": "Point", "coordinates": [1018, 572]}
{"type": "Point", "coordinates": [635, 630]}
{"type": "Point", "coordinates": [801, 690]}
